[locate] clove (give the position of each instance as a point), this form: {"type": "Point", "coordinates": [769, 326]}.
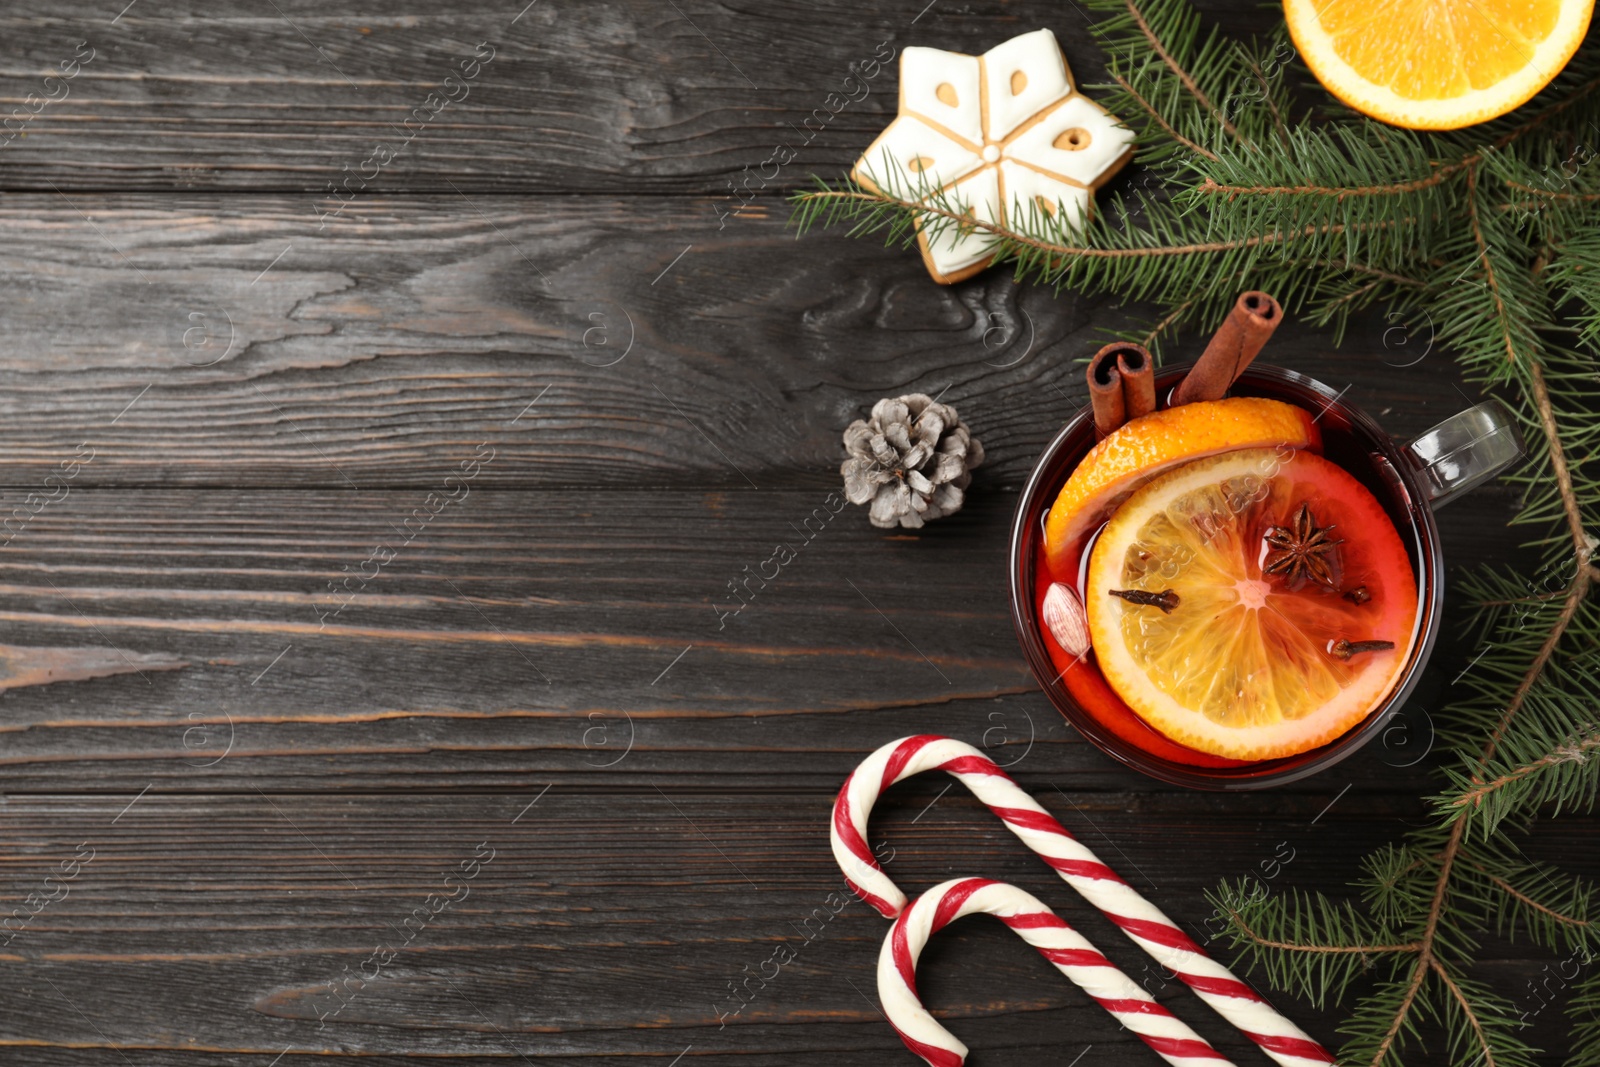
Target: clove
{"type": "Point", "coordinates": [1166, 600]}
{"type": "Point", "coordinates": [1345, 649]}
{"type": "Point", "coordinates": [1358, 595]}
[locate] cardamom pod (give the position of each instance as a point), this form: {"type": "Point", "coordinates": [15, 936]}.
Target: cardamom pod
{"type": "Point", "coordinates": [1064, 617]}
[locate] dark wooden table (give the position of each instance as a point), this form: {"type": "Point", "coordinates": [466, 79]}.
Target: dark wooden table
{"type": "Point", "coordinates": [381, 539]}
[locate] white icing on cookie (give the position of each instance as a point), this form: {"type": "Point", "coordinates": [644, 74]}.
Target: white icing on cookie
{"type": "Point", "coordinates": [997, 133]}
{"type": "Point", "coordinates": [911, 156]}
{"type": "Point", "coordinates": [943, 87]}
{"type": "Point", "coordinates": [952, 252]}
{"type": "Point", "coordinates": [1029, 191]}
{"type": "Point", "coordinates": [1076, 141]}
{"type": "Point", "coordinates": [1023, 76]}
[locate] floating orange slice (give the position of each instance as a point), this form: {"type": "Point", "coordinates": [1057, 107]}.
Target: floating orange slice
{"type": "Point", "coordinates": [1141, 449]}
{"type": "Point", "coordinates": [1248, 657]}
{"type": "Point", "coordinates": [1436, 64]}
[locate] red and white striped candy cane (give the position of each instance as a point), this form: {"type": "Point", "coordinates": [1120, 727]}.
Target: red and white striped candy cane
{"type": "Point", "coordinates": [1081, 868]}
{"type": "Point", "coordinates": [1056, 942]}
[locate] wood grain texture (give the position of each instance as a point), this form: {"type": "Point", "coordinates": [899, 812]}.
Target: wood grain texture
{"type": "Point", "coordinates": [597, 928]}
{"type": "Point", "coordinates": [614, 95]}
{"type": "Point", "coordinates": [591, 341]}
{"type": "Point", "coordinates": [526, 637]}
{"type": "Point", "coordinates": [27, 665]}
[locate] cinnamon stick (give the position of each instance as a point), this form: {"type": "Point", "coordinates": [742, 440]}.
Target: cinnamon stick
{"type": "Point", "coordinates": [1242, 334]}
{"type": "Point", "coordinates": [1138, 379]}
{"type": "Point", "coordinates": [1105, 391]}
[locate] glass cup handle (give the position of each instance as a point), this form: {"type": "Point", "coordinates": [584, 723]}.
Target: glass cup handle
{"type": "Point", "coordinates": [1466, 450]}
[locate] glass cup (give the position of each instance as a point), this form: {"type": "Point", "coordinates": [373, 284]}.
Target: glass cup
{"type": "Point", "coordinates": [1409, 480]}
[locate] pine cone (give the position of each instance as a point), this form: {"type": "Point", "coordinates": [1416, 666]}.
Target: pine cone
{"type": "Point", "coordinates": [912, 461]}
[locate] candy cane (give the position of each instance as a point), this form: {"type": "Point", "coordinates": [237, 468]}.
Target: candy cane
{"type": "Point", "coordinates": [1081, 868]}
{"type": "Point", "coordinates": [1056, 942]}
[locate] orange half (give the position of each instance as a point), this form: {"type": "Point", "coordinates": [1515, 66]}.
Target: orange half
{"type": "Point", "coordinates": [1248, 664]}
{"type": "Point", "coordinates": [1436, 64]}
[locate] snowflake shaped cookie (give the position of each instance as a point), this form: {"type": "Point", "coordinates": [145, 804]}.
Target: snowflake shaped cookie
{"type": "Point", "coordinates": [1002, 134]}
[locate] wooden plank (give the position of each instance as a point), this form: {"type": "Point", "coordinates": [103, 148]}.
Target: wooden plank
{"type": "Point", "coordinates": [588, 341]}
{"type": "Point", "coordinates": [597, 927]}
{"type": "Point", "coordinates": [525, 638]}
{"type": "Point", "coordinates": [624, 96]}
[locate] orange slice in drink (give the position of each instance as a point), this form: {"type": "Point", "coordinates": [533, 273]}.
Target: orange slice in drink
{"type": "Point", "coordinates": [1139, 450]}
{"type": "Point", "coordinates": [1436, 64]}
{"type": "Point", "coordinates": [1242, 625]}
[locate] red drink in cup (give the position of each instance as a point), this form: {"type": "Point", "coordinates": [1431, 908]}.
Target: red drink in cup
{"type": "Point", "coordinates": [1256, 613]}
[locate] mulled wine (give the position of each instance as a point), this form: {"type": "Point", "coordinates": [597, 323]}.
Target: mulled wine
{"type": "Point", "coordinates": [1255, 613]}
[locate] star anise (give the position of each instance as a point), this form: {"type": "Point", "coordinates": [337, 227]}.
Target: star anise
{"type": "Point", "coordinates": [1302, 551]}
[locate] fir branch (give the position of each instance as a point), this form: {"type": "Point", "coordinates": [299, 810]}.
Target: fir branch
{"type": "Point", "coordinates": [1528, 902]}
{"type": "Point", "coordinates": [1024, 239]}
{"type": "Point", "coordinates": [1517, 896]}
{"type": "Point", "coordinates": [1575, 594]}
{"type": "Point", "coordinates": [1426, 951]}
{"type": "Point", "coordinates": [1485, 1049]}
{"type": "Point", "coordinates": [1371, 1039]}
{"type": "Point", "coordinates": [1584, 1010]}
{"type": "Point", "coordinates": [1160, 49]}
{"type": "Point", "coordinates": [1574, 752]}
{"type": "Point", "coordinates": [1488, 267]}
{"type": "Point", "coordinates": [1388, 276]}
{"type": "Point", "coordinates": [1441, 172]}
{"type": "Point", "coordinates": [1245, 931]}
{"type": "Point", "coordinates": [1304, 940]}
{"type": "Point", "coordinates": [1563, 476]}
{"type": "Point", "coordinates": [1152, 337]}
{"type": "Point", "coordinates": [1157, 118]}
{"type": "Point", "coordinates": [1355, 295]}
{"type": "Point", "coordinates": [1489, 1038]}
{"type": "Point", "coordinates": [1402, 1012]}
{"type": "Point", "coordinates": [1547, 194]}
{"type": "Point", "coordinates": [1565, 100]}
{"type": "Point", "coordinates": [1340, 192]}
{"type": "Point", "coordinates": [1266, 86]}
{"type": "Point", "coordinates": [1536, 598]}
{"type": "Point", "coordinates": [1394, 881]}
